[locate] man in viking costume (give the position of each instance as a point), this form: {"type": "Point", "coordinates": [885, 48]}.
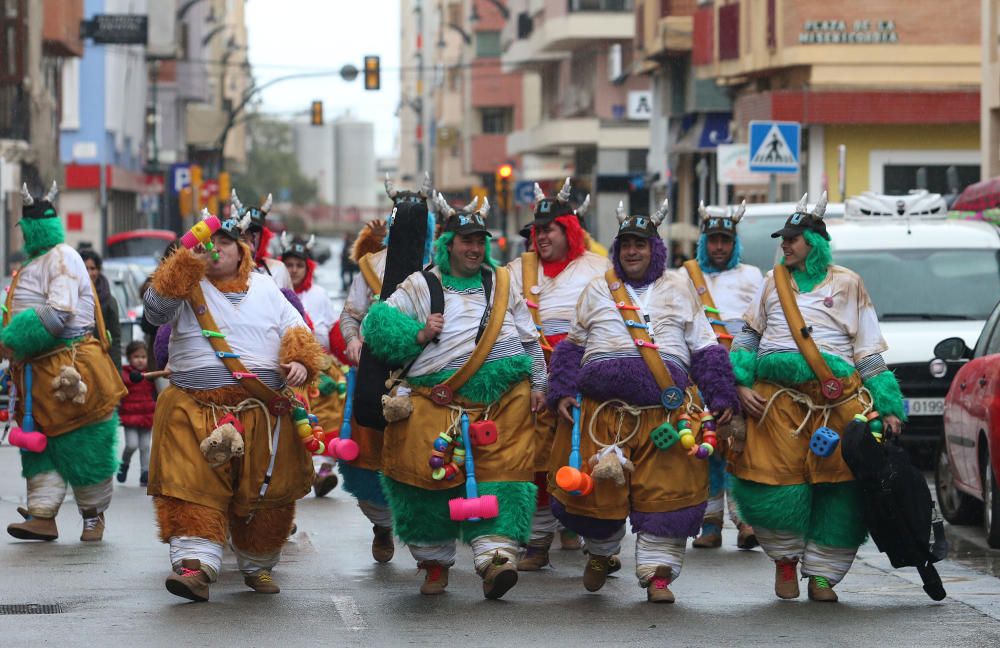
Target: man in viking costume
{"type": "Point", "coordinates": [399, 247]}
{"type": "Point", "coordinates": [551, 277]}
{"type": "Point", "coordinates": [638, 339]}
{"type": "Point", "coordinates": [231, 448]}
{"type": "Point", "coordinates": [726, 286]}
{"type": "Point", "coordinates": [257, 235]}
{"type": "Point", "coordinates": [65, 388]}
{"type": "Point", "coordinates": [807, 361]}
{"type": "Point", "coordinates": [459, 448]}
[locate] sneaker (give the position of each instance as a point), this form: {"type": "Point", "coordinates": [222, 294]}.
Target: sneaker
{"type": "Point", "coordinates": [93, 526]}
{"type": "Point", "coordinates": [536, 556]}
{"type": "Point", "coordinates": [262, 582]}
{"type": "Point", "coordinates": [144, 478]}
{"type": "Point", "coordinates": [820, 589]}
{"type": "Point", "coordinates": [122, 472]}
{"type": "Point", "coordinates": [746, 539]}
{"type": "Point", "coordinates": [499, 576]}
{"type": "Point", "coordinates": [786, 579]}
{"type": "Point", "coordinates": [325, 480]}
{"type": "Point", "coordinates": [658, 590]}
{"type": "Point", "coordinates": [569, 541]}
{"type": "Point", "coordinates": [436, 578]}
{"type": "Point", "coordinates": [382, 546]}
{"type": "Point", "coordinates": [596, 572]}
{"type": "Point", "coordinates": [189, 581]}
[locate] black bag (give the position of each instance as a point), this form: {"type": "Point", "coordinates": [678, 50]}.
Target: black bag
{"type": "Point", "coordinates": [898, 509]}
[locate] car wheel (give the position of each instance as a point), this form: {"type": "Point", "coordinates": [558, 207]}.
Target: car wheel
{"type": "Point", "coordinates": [991, 507]}
{"type": "Point", "coordinates": [956, 507]}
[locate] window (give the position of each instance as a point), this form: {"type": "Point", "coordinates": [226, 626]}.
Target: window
{"type": "Point", "coordinates": [497, 121]}
{"type": "Point", "coordinates": [488, 44]}
{"type": "Point", "coordinates": [900, 178]}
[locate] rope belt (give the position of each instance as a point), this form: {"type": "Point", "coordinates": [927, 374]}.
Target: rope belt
{"type": "Point", "coordinates": [862, 395]}
{"type": "Point", "coordinates": [635, 411]}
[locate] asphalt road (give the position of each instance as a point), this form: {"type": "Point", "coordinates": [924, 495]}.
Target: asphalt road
{"type": "Point", "coordinates": [333, 594]}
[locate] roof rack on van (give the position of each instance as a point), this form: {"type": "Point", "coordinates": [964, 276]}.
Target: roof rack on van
{"type": "Point", "coordinates": [919, 203]}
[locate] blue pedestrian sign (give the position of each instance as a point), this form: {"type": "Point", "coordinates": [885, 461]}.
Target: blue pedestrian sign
{"type": "Point", "coordinates": [524, 192]}
{"type": "Point", "coordinates": [775, 146]}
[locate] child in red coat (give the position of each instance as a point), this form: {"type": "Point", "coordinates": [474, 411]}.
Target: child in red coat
{"type": "Point", "coordinates": [136, 410]}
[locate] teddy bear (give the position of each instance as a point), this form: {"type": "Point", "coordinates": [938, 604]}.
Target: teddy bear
{"type": "Point", "coordinates": [69, 386]}
{"type": "Point", "coordinates": [224, 443]}
{"type": "Point", "coordinates": [398, 406]}
{"type": "Point", "coordinates": [610, 463]}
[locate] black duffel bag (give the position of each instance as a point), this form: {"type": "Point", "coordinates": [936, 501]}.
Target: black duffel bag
{"type": "Point", "coordinates": [898, 509]}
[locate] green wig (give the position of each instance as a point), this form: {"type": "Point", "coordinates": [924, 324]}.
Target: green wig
{"type": "Point", "coordinates": [41, 235]}
{"type": "Point", "coordinates": [819, 259]}
{"type": "Point", "coordinates": [441, 260]}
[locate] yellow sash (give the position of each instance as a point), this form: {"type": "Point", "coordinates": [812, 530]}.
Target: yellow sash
{"type": "Point", "coordinates": [711, 312]}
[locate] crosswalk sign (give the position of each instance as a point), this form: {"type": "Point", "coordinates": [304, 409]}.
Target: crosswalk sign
{"type": "Point", "coordinates": [775, 146]}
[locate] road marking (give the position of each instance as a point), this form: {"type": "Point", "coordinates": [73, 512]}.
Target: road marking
{"type": "Point", "coordinates": [349, 613]}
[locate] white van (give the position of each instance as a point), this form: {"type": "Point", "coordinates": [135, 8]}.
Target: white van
{"type": "Point", "coordinates": [929, 278]}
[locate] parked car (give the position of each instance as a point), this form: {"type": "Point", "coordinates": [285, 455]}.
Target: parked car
{"type": "Point", "coordinates": [968, 461]}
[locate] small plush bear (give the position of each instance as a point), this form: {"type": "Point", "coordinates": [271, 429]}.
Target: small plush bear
{"type": "Point", "coordinates": [224, 443]}
{"type": "Point", "coordinates": [396, 407]}
{"type": "Point", "coordinates": [69, 386]}
{"type": "Point", "coordinates": [611, 464]}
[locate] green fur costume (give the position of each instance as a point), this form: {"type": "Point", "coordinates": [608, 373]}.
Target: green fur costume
{"type": "Point", "coordinates": [83, 457]}
{"type": "Point", "coordinates": [829, 514]}
{"type": "Point", "coordinates": [421, 516]}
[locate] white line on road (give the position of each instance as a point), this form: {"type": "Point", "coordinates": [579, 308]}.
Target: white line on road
{"type": "Point", "coordinates": [349, 613]}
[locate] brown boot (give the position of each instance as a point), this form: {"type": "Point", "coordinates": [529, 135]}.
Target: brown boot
{"type": "Point", "coordinates": [436, 578]}
{"type": "Point", "coordinates": [93, 526]}
{"type": "Point", "coordinates": [820, 589]}
{"type": "Point", "coordinates": [262, 582]}
{"type": "Point", "coordinates": [383, 548]}
{"type": "Point", "coordinates": [786, 578]}
{"type": "Point", "coordinates": [189, 581]}
{"type": "Point", "coordinates": [596, 572]}
{"type": "Point", "coordinates": [569, 541]}
{"type": "Point", "coordinates": [746, 539]}
{"type": "Point", "coordinates": [498, 577]}
{"type": "Point", "coordinates": [658, 590]}
{"type": "Point", "coordinates": [711, 534]}
{"type": "Point", "coordinates": [325, 480]}
{"type": "Point", "coordinates": [614, 564]}
{"type": "Point", "coordinates": [33, 528]}
{"type": "Point", "coordinates": [537, 555]}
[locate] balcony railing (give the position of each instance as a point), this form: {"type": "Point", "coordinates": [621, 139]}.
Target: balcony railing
{"type": "Point", "coordinates": [600, 5]}
{"type": "Point", "coordinates": [15, 116]}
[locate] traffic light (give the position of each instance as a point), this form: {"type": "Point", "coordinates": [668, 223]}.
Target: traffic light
{"type": "Point", "coordinates": [373, 74]}
{"type": "Point", "coordinates": [316, 113]}
{"type": "Point", "coordinates": [502, 185]}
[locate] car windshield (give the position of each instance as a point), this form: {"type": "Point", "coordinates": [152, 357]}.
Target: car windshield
{"type": "Point", "coordinates": [759, 249]}
{"type": "Point", "coordinates": [928, 284]}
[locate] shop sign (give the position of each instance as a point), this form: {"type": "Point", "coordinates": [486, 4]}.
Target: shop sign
{"type": "Point", "coordinates": [867, 32]}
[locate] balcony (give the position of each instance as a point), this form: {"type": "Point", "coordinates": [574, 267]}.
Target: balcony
{"type": "Point", "coordinates": [15, 114]}
{"type": "Point", "coordinates": [552, 135]}
{"type": "Point", "coordinates": [61, 27]}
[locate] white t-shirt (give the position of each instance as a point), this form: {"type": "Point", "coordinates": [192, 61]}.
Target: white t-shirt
{"type": "Point", "coordinates": [57, 279]}
{"type": "Point", "coordinates": [733, 291]}
{"type": "Point", "coordinates": [557, 296]}
{"type": "Point", "coordinates": [278, 272]}
{"type": "Point", "coordinates": [839, 310]}
{"type": "Point", "coordinates": [320, 310]}
{"type": "Point", "coordinates": [360, 296]}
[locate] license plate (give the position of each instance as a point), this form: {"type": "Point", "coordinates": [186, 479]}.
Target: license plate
{"type": "Point", "coordinates": [924, 406]}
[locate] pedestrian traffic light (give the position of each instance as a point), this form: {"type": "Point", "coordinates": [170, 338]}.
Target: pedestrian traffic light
{"type": "Point", "coordinates": [373, 74]}
{"type": "Point", "coordinates": [316, 113]}
{"type": "Point", "coordinates": [502, 184]}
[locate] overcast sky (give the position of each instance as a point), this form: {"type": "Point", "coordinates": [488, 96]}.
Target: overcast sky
{"type": "Point", "coordinates": [302, 36]}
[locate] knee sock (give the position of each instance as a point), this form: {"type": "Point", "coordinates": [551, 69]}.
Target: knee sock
{"type": "Point", "coordinates": [780, 545]}
{"type": "Point", "coordinates": [376, 514]}
{"type": "Point", "coordinates": [96, 497]}
{"type": "Point", "coordinates": [443, 553]}
{"type": "Point", "coordinates": [484, 548]}
{"type": "Point", "coordinates": [829, 562]}
{"type": "Point", "coordinates": [46, 492]}
{"type": "Point", "coordinates": [655, 551]}
{"type": "Point", "coordinates": [606, 546]}
{"type": "Point", "coordinates": [543, 525]}
{"type": "Point", "coordinates": [190, 548]}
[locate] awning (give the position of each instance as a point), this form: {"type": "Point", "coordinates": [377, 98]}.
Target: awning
{"type": "Point", "coordinates": [699, 132]}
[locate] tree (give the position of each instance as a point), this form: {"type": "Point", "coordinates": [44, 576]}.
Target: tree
{"type": "Point", "coordinates": [272, 166]}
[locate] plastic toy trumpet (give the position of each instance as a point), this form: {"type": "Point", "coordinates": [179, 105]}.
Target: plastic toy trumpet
{"type": "Point", "coordinates": [201, 234]}
{"type": "Point", "coordinates": [472, 507]}
{"type": "Point", "coordinates": [570, 478]}
{"type": "Point", "coordinates": [343, 447]}
{"type": "Point", "coordinates": [25, 436]}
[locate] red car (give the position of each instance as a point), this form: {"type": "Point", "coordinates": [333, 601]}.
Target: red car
{"type": "Point", "coordinates": [968, 462]}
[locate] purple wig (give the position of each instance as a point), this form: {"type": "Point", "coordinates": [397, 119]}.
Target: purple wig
{"type": "Point", "coordinates": [713, 374]}
{"type": "Point", "coordinates": [294, 300]}
{"type": "Point", "coordinates": [657, 264]}
{"type": "Point", "coordinates": [564, 369]}
{"type": "Point", "coordinates": [627, 379]}
{"type": "Point", "coordinates": [161, 345]}
{"type": "Point", "coordinates": [586, 526]}
{"type": "Point", "coordinates": [682, 523]}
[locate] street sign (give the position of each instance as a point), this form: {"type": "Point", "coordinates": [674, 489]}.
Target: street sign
{"type": "Point", "coordinates": [775, 146]}
{"type": "Point", "coordinates": [640, 105]}
{"type": "Point", "coordinates": [180, 177]}
{"type": "Point", "coordinates": [734, 166]}
{"type": "Point", "coordinates": [116, 29]}
{"type": "Point", "coordinates": [524, 192]}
